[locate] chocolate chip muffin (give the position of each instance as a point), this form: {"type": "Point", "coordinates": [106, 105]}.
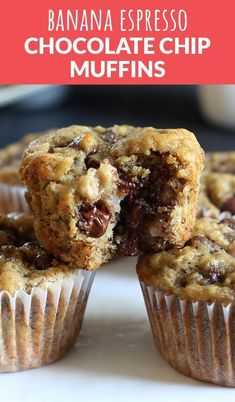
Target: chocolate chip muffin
{"type": "Point", "coordinates": [98, 191]}
{"type": "Point", "coordinates": [23, 263]}
{"type": "Point", "coordinates": [218, 185]}
{"type": "Point", "coordinates": [190, 298]}
{"type": "Point", "coordinates": [12, 192]}
{"type": "Point", "coordinates": [42, 300]}
{"type": "Point", "coordinates": [10, 160]}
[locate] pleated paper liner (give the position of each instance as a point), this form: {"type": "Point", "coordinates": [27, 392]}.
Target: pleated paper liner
{"type": "Point", "coordinates": [197, 338]}
{"type": "Point", "coordinates": [38, 328]}
{"type": "Point", "coordinates": [12, 199]}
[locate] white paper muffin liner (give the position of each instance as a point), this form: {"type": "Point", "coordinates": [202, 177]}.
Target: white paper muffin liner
{"type": "Point", "coordinates": [38, 328]}
{"type": "Point", "coordinates": [197, 338]}
{"type": "Point", "coordinates": [12, 199]}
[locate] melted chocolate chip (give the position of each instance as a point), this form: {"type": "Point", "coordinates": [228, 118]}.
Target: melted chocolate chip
{"type": "Point", "coordinates": [135, 213]}
{"type": "Point", "coordinates": [43, 261]}
{"type": "Point", "coordinates": [229, 205]}
{"type": "Point", "coordinates": [125, 185]}
{"type": "Point", "coordinates": [7, 238]}
{"type": "Point", "coordinates": [181, 282]}
{"type": "Point", "coordinates": [129, 246]}
{"type": "Point", "coordinates": [71, 144]}
{"type": "Point", "coordinates": [214, 276]}
{"type": "Point", "coordinates": [95, 219]}
{"type": "Point", "coordinates": [30, 247]}
{"type": "Point", "coordinates": [29, 252]}
{"type": "Point", "coordinates": [146, 200]}
{"type": "Point", "coordinates": [92, 162]}
{"type": "Point", "coordinates": [10, 251]}
{"type": "Point", "coordinates": [203, 240]}
{"type": "Point", "coordinates": [229, 222]}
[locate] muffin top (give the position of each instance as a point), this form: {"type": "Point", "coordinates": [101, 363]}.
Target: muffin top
{"type": "Point", "coordinates": [10, 157]}
{"type": "Point", "coordinates": [204, 269]}
{"type": "Point", "coordinates": [223, 162]}
{"type": "Point", "coordinates": [96, 190]}
{"type": "Point", "coordinates": [23, 263]}
{"type": "Point", "coordinates": [115, 142]}
{"type": "Point", "coordinates": [218, 185]}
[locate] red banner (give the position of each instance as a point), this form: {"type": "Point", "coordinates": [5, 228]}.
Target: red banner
{"type": "Point", "coordinates": [117, 42]}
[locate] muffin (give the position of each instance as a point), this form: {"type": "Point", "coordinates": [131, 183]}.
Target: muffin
{"type": "Point", "coordinates": [12, 191]}
{"type": "Point", "coordinates": [42, 300]}
{"type": "Point", "coordinates": [190, 299]}
{"type": "Point", "coordinates": [218, 185]}
{"type": "Point", "coordinates": [99, 191]}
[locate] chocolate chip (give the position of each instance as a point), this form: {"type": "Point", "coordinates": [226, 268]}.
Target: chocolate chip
{"type": "Point", "coordinates": [96, 219]}
{"type": "Point", "coordinates": [110, 137]}
{"type": "Point", "coordinates": [10, 251]}
{"type": "Point", "coordinates": [135, 213]}
{"type": "Point", "coordinates": [31, 247]}
{"type": "Point", "coordinates": [43, 261]}
{"type": "Point", "coordinates": [75, 143]}
{"type": "Point", "coordinates": [129, 246]}
{"type": "Point", "coordinates": [214, 276]}
{"type": "Point", "coordinates": [168, 198]}
{"type": "Point", "coordinates": [126, 187]}
{"type": "Point", "coordinates": [7, 238]}
{"type": "Point", "coordinates": [181, 282]}
{"type": "Point", "coordinates": [71, 144]}
{"type": "Point", "coordinates": [92, 162]}
{"type": "Point", "coordinates": [229, 222]}
{"type": "Point", "coordinates": [203, 240]}
{"type": "Point", "coordinates": [29, 252]}
{"type": "Point", "coordinates": [229, 205]}
{"type": "Point", "coordinates": [125, 184]}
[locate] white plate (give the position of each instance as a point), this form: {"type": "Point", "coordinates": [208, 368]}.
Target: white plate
{"type": "Point", "coordinates": [114, 359]}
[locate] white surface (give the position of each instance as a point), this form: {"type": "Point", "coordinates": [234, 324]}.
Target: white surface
{"type": "Point", "coordinates": [114, 359]}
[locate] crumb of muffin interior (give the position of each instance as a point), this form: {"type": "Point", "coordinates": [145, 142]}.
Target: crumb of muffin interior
{"type": "Point", "coordinates": [23, 263]}
{"type": "Point", "coordinates": [204, 269]}
{"type": "Point", "coordinates": [97, 191]}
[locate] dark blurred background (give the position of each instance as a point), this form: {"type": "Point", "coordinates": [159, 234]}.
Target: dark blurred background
{"type": "Point", "coordinates": [159, 106]}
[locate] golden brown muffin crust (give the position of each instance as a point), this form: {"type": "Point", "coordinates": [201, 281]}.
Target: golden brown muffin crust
{"type": "Point", "coordinates": [23, 263]}
{"type": "Point", "coordinates": [218, 185]}
{"type": "Point", "coordinates": [204, 269]}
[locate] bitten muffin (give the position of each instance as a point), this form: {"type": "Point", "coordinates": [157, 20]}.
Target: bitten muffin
{"type": "Point", "coordinates": [97, 191]}
{"type": "Point", "coordinates": [42, 301]}
{"type": "Point", "coordinates": [12, 191]}
{"type": "Point", "coordinates": [218, 185]}
{"type": "Point", "coordinates": [190, 299]}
